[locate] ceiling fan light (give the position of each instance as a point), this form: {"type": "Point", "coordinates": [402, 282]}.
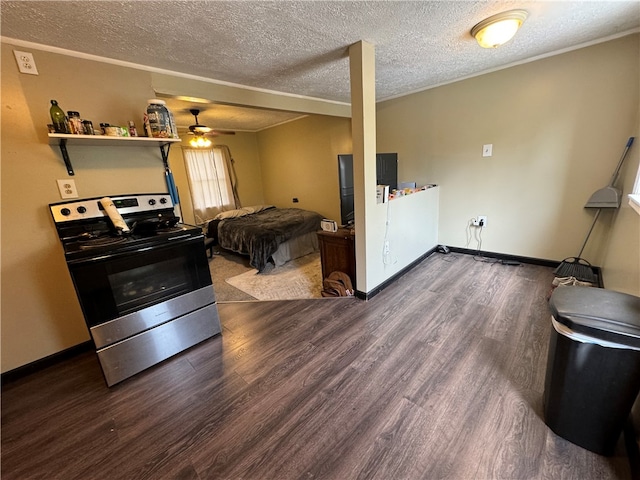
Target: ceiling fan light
{"type": "Point", "coordinates": [199, 131]}
{"type": "Point", "coordinates": [200, 142]}
{"type": "Point", "coordinates": [498, 29]}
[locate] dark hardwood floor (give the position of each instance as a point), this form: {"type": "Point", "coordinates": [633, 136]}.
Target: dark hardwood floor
{"type": "Point", "coordinates": [440, 375]}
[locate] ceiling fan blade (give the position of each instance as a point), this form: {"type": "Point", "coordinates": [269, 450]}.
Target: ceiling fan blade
{"type": "Point", "coordinates": [202, 130]}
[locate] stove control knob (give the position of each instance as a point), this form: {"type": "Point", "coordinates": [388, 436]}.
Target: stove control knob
{"type": "Point", "coordinates": [81, 209]}
{"type": "Point", "coordinates": [163, 200]}
{"type": "Point", "coordinates": [65, 211]}
{"type": "Point", "coordinates": [152, 201]}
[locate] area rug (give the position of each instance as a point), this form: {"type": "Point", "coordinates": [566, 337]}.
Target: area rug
{"type": "Point", "coordinates": [299, 278]}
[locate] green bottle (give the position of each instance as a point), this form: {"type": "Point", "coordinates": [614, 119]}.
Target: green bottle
{"type": "Point", "coordinates": [60, 122]}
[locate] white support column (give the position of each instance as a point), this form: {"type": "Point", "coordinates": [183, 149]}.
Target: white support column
{"type": "Point", "coordinates": [363, 131]}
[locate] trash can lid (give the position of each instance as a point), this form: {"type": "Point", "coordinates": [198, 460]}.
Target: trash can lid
{"type": "Point", "coordinates": [599, 313]}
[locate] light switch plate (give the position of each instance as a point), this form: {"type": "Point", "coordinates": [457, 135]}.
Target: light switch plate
{"type": "Point", "coordinates": [487, 150]}
{"type": "Point", "coordinates": [67, 188]}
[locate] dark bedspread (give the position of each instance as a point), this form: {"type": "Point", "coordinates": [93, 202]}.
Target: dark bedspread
{"type": "Point", "coordinates": [259, 234]}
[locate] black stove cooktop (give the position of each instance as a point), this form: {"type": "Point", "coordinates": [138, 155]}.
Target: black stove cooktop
{"type": "Point", "coordinates": [106, 244]}
{"type": "Point", "coordinates": [86, 231]}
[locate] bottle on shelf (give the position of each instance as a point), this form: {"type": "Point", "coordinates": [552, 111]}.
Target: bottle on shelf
{"type": "Point", "coordinates": [133, 132]}
{"type": "Point", "coordinates": [87, 126]}
{"type": "Point", "coordinates": [75, 123]}
{"type": "Point", "coordinates": [60, 122]}
{"type": "Point", "coordinates": [146, 125]}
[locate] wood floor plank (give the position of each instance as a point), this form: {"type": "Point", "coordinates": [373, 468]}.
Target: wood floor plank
{"type": "Point", "coordinates": [396, 447]}
{"type": "Point", "coordinates": [457, 420]}
{"type": "Point", "coordinates": [513, 440]}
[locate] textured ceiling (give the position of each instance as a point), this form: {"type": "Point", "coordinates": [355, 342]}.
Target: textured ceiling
{"type": "Point", "coordinates": [300, 47]}
{"type": "Point", "coordinates": [226, 117]}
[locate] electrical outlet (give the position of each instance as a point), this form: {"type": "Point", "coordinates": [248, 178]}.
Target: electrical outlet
{"type": "Point", "coordinates": [67, 188]}
{"type": "Point", "coordinates": [387, 248]}
{"type": "Point", "coordinates": [482, 220]}
{"type": "Point", "coordinates": [26, 63]}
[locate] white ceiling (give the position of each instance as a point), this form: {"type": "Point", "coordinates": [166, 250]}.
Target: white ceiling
{"type": "Point", "coordinates": [300, 47]}
{"type": "Point", "coordinates": [226, 117]}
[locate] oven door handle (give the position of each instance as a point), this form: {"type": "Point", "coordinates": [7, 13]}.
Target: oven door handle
{"type": "Point", "coordinates": [180, 237]}
{"type": "Point", "coordinates": [111, 256]}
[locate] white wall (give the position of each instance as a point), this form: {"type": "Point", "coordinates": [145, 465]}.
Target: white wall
{"type": "Point", "coordinates": [411, 229]}
{"type": "Point", "coordinates": [558, 127]}
{"type": "Point", "coordinates": [300, 159]}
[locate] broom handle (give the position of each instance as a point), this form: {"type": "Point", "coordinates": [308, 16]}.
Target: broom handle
{"type": "Point", "coordinates": [593, 224]}
{"type": "Point", "coordinates": [617, 170]}
{"type": "Point", "coordinates": [613, 180]}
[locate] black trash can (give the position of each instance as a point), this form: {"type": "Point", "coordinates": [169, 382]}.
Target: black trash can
{"type": "Point", "coordinates": [593, 367]}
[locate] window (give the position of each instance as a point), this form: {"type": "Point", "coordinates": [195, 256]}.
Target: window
{"type": "Point", "coordinates": [210, 181]}
{"type": "Point", "coordinates": [634, 197]}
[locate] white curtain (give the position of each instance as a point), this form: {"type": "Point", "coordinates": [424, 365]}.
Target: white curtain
{"type": "Point", "coordinates": [211, 181]}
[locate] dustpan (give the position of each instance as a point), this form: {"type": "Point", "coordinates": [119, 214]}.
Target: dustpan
{"type": "Point", "coordinates": [606, 197]}
{"type": "Point", "coordinates": [610, 196]}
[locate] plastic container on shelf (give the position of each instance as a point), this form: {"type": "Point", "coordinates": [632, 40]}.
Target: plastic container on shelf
{"type": "Point", "coordinates": [159, 122]}
{"type": "Point", "coordinates": [75, 123]}
{"type": "Point", "coordinates": [87, 127]}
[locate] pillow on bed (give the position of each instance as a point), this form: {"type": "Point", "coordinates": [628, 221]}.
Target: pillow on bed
{"type": "Point", "coordinates": [257, 208]}
{"type": "Point", "coordinates": [241, 212]}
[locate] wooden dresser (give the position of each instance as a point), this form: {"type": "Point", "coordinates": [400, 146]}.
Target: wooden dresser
{"type": "Point", "coordinates": [338, 252]}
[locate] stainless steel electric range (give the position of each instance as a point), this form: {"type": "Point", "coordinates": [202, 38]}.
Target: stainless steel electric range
{"type": "Point", "coordinates": [142, 279]}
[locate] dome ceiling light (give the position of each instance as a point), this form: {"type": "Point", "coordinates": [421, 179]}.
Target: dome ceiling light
{"type": "Point", "coordinates": [498, 29]}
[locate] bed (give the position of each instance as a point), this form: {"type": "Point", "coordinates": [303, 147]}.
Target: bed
{"type": "Point", "coordinates": [266, 234]}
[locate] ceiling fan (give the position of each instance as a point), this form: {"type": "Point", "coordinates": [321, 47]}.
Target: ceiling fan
{"type": "Point", "coordinates": [203, 130]}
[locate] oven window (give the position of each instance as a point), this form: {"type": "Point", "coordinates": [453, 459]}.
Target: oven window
{"type": "Point", "coordinates": [126, 283]}
{"type": "Point", "coordinates": [143, 286]}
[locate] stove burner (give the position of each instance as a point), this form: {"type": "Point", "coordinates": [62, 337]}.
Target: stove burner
{"type": "Point", "coordinates": [100, 242]}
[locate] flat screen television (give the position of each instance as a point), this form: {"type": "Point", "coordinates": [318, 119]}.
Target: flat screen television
{"type": "Point", "coordinates": [386, 174]}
